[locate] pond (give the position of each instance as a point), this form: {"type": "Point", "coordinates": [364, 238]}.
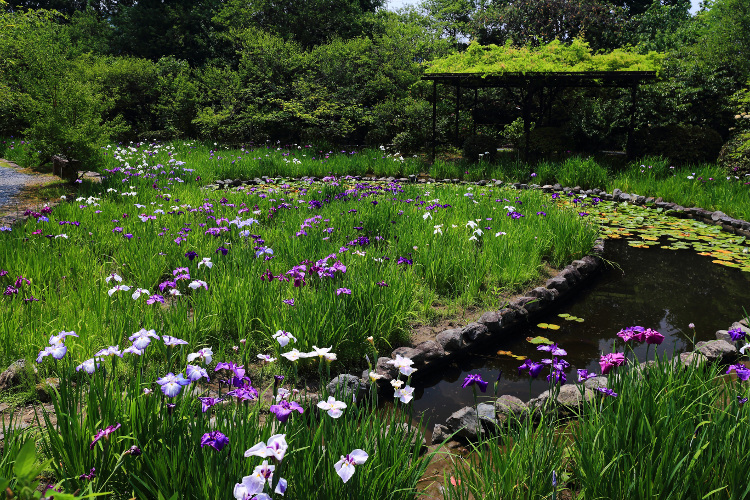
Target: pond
{"type": "Point", "coordinates": [653, 287]}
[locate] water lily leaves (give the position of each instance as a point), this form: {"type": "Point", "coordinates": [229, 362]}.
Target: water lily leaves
{"type": "Point", "coordinates": [645, 227]}
{"type": "Point", "coordinates": [548, 326]}
{"type": "Point", "coordinates": [564, 315]}
{"type": "Point", "coordinates": [508, 353]}
{"type": "Point", "coordinates": [539, 340]}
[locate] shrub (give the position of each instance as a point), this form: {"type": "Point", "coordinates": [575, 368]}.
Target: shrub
{"type": "Point", "coordinates": [682, 144]}
{"type": "Point", "coordinates": [544, 141]}
{"type": "Point", "coordinates": [477, 145]}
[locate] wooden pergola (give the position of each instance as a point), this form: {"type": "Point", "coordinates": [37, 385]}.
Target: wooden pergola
{"type": "Point", "coordinates": [532, 82]}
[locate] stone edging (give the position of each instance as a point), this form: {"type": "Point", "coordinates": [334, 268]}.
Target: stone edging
{"type": "Point", "coordinates": [469, 423]}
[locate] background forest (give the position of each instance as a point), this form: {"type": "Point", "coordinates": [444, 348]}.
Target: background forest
{"type": "Point", "coordinates": [75, 74]}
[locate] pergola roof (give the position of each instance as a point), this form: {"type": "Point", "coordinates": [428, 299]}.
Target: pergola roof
{"type": "Point", "coordinates": [544, 79]}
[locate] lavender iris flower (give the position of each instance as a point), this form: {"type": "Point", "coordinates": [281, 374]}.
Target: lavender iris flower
{"type": "Point", "coordinates": [172, 341]}
{"type": "Point", "coordinates": [553, 349]}
{"type": "Point", "coordinates": [103, 434]}
{"type": "Point", "coordinates": [207, 403]}
{"type": "Point", "coordinates": [215, 440]}
{"type": "Point", "coordinates": [533, 368]}
{"type": "Point", "coordinates": [284, 409]}
{"type": "Point", "coordinates": [172, 384]}
{"type": "Point", "coordinates": [736, 334]}
{"type": "Point", "coordinates": [142, 338]}
{"type": "Point", "coordinates": [195, 373]}
{"type": "Point", "coordinates": [584, 375]}
{"type": "Point", "coordinates": [607, 392]}
{"type": "Point", "coordinates": [475, 378]}
{"type": "Point", "coordinates": [742, 371]}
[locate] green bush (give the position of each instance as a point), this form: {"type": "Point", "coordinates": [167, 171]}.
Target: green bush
{"type": "Point", "coordinates": [480, 147]}
{"type": "Point", "coordinates": [683, 144]}
{"type": "Point", "coordinates": [545, 141]}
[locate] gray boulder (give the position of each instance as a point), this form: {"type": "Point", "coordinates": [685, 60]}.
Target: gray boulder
{"type": "Point", "coordinates": [474, 331]}
{"type": "Point", "coordinates": [492, 320]}
{"type": "Point", "coordinates": [15, 374]}
{"type": "Point", "coordinates": [346, 387]}
{"type": "Point", "coordinates": [510, 408]}
{"type": "Point", "coordinates": [717, 350]}
{"type": "Point", "coordinates": [465, 423]}
{"type": "Point", "coordinates": [431, 349]}
{"type": "Point", "coordinates": [440, 433]}
{"type": "Point", "coordinates": [486, 412]}
{"type": "Point", "coordinates": [451, 340]}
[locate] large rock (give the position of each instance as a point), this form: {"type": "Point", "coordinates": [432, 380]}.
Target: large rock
{"type": "Point", "coordinates": [15, 375]}
{"type": "Point", "coordinates": [543, 294]}
{"type": "Point", "coordinates": [688, 359]}
{"type": "Point", "coordinates": [595, 382]}
{"type": "Point", "coordinates": [510, 408]}
{"type": "Point", "coordinates": [451, 340]}
{"type": "Point", "coordinates": [46, 388]}
{"type": "Point", "coordinates": [558, 283]}
{"type": "Point", "coordinates": [567, 402]}
{"type": "Point", "coordinates": [474, 331]}
{"type": "Point", "coordinates": [571, 275]}
{"type": "Point", "coordinates": [431, 349]}
{"type": "Point", "coordinates": [486, 413]}
{"type": "Point", "coordinates": [440, 433]}
{"type": "Point", "coordinates": [417, 356]}
{"type": "Point", "coordinates": [586, 265]}
{"type": "Point", "coordinates": [717, 350]}
{"type": "Point", "coordinates": [346, 387]}
{"type": "Point", "coordinates": [492, 320]}
{"type": "Point", "coordinates": [385, 369]}
{"type": "Point", "coordinates": [530, 304]}
{"type": "Point", "coordinates": [465, 423]}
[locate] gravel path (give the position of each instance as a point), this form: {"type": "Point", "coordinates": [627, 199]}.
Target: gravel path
{"type": "Point", "coordinates": [11, 183]}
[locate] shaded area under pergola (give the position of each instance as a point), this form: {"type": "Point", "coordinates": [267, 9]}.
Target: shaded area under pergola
{"type": "Point", "coordinates": [532, 82]}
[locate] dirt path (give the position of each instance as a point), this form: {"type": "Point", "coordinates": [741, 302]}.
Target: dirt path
{"type": "Point", "coordinates": [18, 191]}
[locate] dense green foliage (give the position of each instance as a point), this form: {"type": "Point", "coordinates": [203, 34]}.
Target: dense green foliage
{"type": "Point", "coordinates": [348, 71]}
{"type": "Point", "coordinates": [554, 56]}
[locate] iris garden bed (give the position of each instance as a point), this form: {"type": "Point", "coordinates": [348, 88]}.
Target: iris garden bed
{"type": "Point", "coordinates": [132, 423]}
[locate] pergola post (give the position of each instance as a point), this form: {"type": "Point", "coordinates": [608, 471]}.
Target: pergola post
{"type": "Point", "coordinates": [458, 100]}
{"type": "Point", "coordinates": [631, 125]}
{"type": "Point", "coordinates": [434, 119]}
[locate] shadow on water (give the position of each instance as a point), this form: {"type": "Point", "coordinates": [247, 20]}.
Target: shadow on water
{"type": "Point", "coordinates": [661, 289]}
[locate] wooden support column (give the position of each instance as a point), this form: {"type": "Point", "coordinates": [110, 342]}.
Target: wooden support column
{"type": "Point", "coordinates": [434, 119]}
{"type": "Point", "coordinates": [631, 125]}
{"type": "Point", "coordinates": [526, 121]}
{"type": "Point", "coordinates": [458, 101]}
{"type": "Point", "coordinates": [473, 110]}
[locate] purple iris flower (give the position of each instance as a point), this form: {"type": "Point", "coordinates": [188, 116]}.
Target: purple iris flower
{"type": "Point", "coordinates": [215, 440]}
{"type": "Point", "coordinates": [172, 341]}
{"type": "Point", "coordinates": [155, 298]}
{"type": "Point", "coordinates": [245, 393]}
{"type": "Point", "coordinates": [345, 291]}
{"type": "Point", "coordinates": [195, 373]}
{"type": "Point", "coordinates": [191, 255]}
{"type": "Point", "coordinates": [584, 375]}
{"type": "Point", "coordinates": [207, 403]}
{"type": "Point", "coordinates": [653, 337]}
{"type": "Point", "coordinates": [533, 368]}
{"type": "Point", "coordinates": [742, 371]}
{"type": "Point", "coordinates": [557, 377]}
{"type": "Point", "coordinates": [736, 334]}
{"type": "Point", "coordinates": [741, 401]}
{"type": "Point", "coordinates": [636, 333]}
{"type": "Point", "coordinates": [238, 370]}
{"type": "Point", "coordinates": [475, 378]}
{"type": "Point", "coordinates": [223, 250]}
{"type": "Point", "coordinates": [607, 392]}
{"type": "Point", "coordinates": [553, 349]}
{"type": "Point", "coordinates": [103, 434]}
{"type": "Point", "coordinates": [172, 384]}
{"type": "Point", "coordinates": [284, 408]}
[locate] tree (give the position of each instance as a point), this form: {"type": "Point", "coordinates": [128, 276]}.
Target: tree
{"type": "Point", "coordinates": [309, 23]}
{"type": "Point", "coordinates": [536, 22]}
{"type": "Point", "coordinates": [452, 18]}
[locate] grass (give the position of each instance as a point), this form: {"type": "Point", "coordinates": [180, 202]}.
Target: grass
{"type": "Point", "coordinates": [688, 439]}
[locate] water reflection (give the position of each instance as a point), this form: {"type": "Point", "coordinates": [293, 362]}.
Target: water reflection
{"type": "Point", "coordinates": [661, 289]}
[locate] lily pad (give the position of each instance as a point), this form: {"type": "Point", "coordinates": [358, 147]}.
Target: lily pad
{"type": "Point", "coordinates": [539, 340]}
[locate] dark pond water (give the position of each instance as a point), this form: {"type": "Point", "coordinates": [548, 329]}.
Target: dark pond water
{"type": "Point", "coordinates": [661, 289]}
